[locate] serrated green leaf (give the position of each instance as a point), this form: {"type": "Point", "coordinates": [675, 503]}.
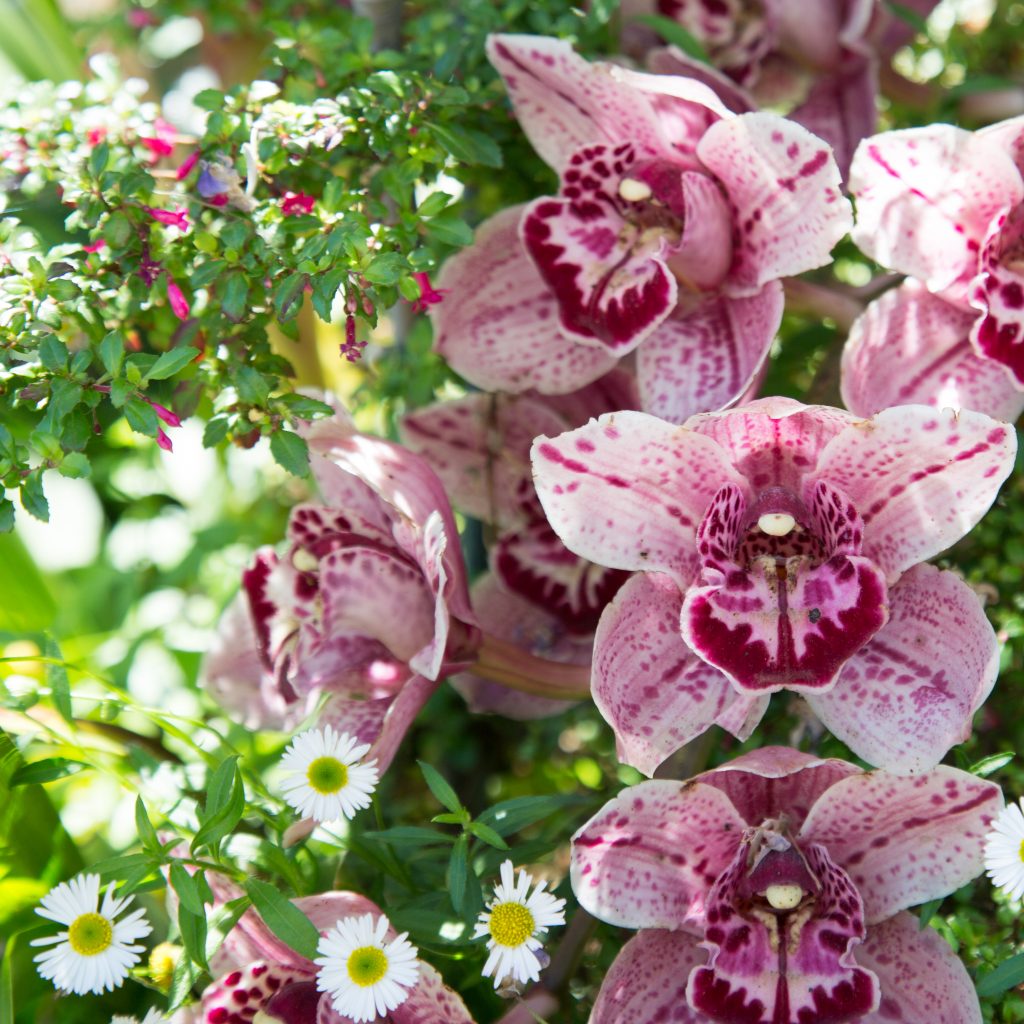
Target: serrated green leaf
{"type": "Point", "coordinates": [451, 229]}
{"type": "Point", "coordinates": [33, 500]}
{"type": "Point", "coordinates": [252, 386]}
{"type": "Point", "coordinates": [53, 354]}
{"type": "Point", "coordinates": [286, 294]}
{"type": "Point", "coordinates": [215, 431]}
{"type": "Point", "coordinates": [290, 451]}
{"type": "Point", "coordinates": [172, 362]}
{"type": "Point", "coordinates": [112, 352]}
{"type": "Point", "coordinates": [184, 885]}
{"type": "Point", "coordinates": [467, 145]}
{"type": "Point", "coordinates": [458, 869]}
{"type": "Point", "coordinates": [283, 918]}
{"type": "Point", "coordinates": [440, 788]}
{"type": "Point", "coordinates": [46, 770]}
{"type": "Point", "coordinates": [487, 835]}
{"type": "Point", "coordinates": [385, 269]}
{"type": "Point", "coordinates": [141, 417]}
{"type": "Point", "coordinates": [74, 465]}
{"type": "Point", "coordinates": [233, 295]}
{"type": "Point", "coordinates": [64, 396]}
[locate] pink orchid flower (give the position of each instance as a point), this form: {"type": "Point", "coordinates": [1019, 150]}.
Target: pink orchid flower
{"type": "Point", "coordinates": [259, 977]}
{"type": "Point", "coordinates": [369, 603]}
{"type": "Point", "coordinates": [773, 890]}
{"type": "Point", "coordinates": [674, 222]}
{"type": "Point", "coordinates": [946, 207]}
{"type": "Point", "coordinates": [780, 548]}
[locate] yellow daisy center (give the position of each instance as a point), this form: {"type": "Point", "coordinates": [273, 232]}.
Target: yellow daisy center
{"type": "Point", "coordinates": [327, 775]}
{"type": "Point", "coordinates": [90, 934]}
{"type": "Point", "coordinates": [366, 966]}
{"type": "Point", "coordinates": [511, 924]}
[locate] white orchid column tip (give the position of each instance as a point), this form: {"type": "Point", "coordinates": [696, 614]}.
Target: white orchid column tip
{"type": "Point", "coordinates": [634, 191]}
{"type": "Point", "coordinates": [783, 897]}
{"type": "Point", "coordinates": [776, 524]}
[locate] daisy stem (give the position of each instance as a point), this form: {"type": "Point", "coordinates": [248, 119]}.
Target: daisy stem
{"type": "Point", "coordinates": [505, 663]}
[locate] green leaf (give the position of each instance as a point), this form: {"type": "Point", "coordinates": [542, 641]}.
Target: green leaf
{"type": "Point", "coordinates": [325, 287]}
{"type": "Point", "coordinates": [117, 230]}
{"type": "Point", "coordinates": [385, 269]}
{"type": "Point", "coordinates": [233, 296]}
{"type": "Point", "coordinates": [434, 204]}
{"type": "Point", "coordinates": [409, 835]}
{"type": "Point", "coordinates": [53, 354]}
{"type": "Point", "coordinates": [218, 788]}
{"type": "Point", "coordinates": [172, 362]}
{"type": "Point", "coordinates": [304, 407]}
{"type": "Point", "coordinates": [57, 679]}
{"type": "Point", "coordinates": [98, 159]}
{"type": "Point", "coordinates": [487, 834]}
{"type": "Point", "coordinates": [209, 99]}
{"type": "Point", "coordinates": [451, 229]}
{"type": "Point", "coordinates": [185, 886]}
{"type": "Point", "coordinates": [283, 918]}
{"type": "Point", "coordinates": [467, 145]}
{"type": "Point", "coordinates": [511, 815]}
{"type": "Point", "coordinates": [141, 417]}
{"type": "Point", "coordinates": [225, 805]}
{"type": "Point", "coordinates": [927, 912]}
{"type": "Point", "coordinates": [6, 525]}
{"type": "Point", "coordinates": [46, 770]}
{"type": "Point", "coordinates": [286, 295]}
{"type": "Point", "coordinates": [252, 386]}
{"type": "Point", "coordinates": [144, 827]}
{"type": "Point", "coordinates": [440, 788]}
{"type": "Point", "coordinates": [991, 764]}
{"type": "Point", "coordinates": [193, 934]}
{"type": "Point", "coordinates": [674, 33]}
{"type": "Point", "coordinates": [290, 451]}
{"type": "Point", "coordinates": [458, 869]}
{"type": "Point", "coordinates": [7, 982]}
{"type": "Point", "coordinates": [215, 432]}
{"type": "Point", "coordinates": [1009, 974]}
{"type": "Point", "coordinates": [462, 818]}
{"type": "Point", "coordinates": [74, 465]}
{"type": "Point", "coordinates": [27, 604]}
{"type": "Point", "coordinates": [33, 499]}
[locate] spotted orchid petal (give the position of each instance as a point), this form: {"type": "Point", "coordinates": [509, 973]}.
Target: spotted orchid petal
{"type": "Point", "coordinates": [998, 292]}
{"type": "Point", "coordinates": [788, 967]}
{"type": "Point", "coordinates": [927, 198]}
{"type": "Point", "coordinates": [670, 60]}
{"type": "Point", "coordinates": [430, 1001]}
{"type": "Point", "coordinates": [498, 325]}
{"type": "Point", "coordinates": [251, 986]}
{"type": "Point", "coordinates": [647, 980]}
{"type": "Point", "coordinates": [707, 358]}
{"type": "Point", "coordinates": [782, 622]}
{"type": "Point", "coordinates": [904, 840]}
{"type": "Point", "coordinates": [649, 856]}
{"type": "Point", "coordinates": [785, 189]}
{"type": "Point", "coordinates": [650, 480]}
{"type": "Point", "coordinates": [919, 477]}
{"type": "Point", "coordinates": [920, 976]}
{"type": "Point", "coordinates": [909, 694]}
{"type": "Point", "coordinates": [928, 339]}
{"type": "Point", "coordinates": [650, 687]}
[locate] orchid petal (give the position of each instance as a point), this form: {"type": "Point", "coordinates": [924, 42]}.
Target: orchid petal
{"type": "Point", "coordinates": [408, 703]}
{"type": "Point", "coordinates": [706, 359]}
{"type": "Point", "coordinates": [927, 338]}
{"type": "Point", "coordinates": [926, 198]}
{"type": "Point", "coordinates": [998, 292]}
{"type": "Point", "coordinates": [431, 1001]}
{"type": "Point", "coordinates": [650, 687]}
{"type": "Point", "coordinates": [922, 979]}
{"type": "Point", "coordinates": [909, 695]}
{"type": "Point", "coordinates": [784, 186]}
{"type": "Point", "coordinates": [249, 987]}
{"type": "Point", "coordinates": [648, 857]}
{"type": "Point", "coordinates": [670, 60]}
{"type": "Point", "coordinates": [498, 325]}
{"type": "Point", "coordinates": [647, 980]}
{"type": "Point", "coordinates": [704, 252]}
{"type": "Point", "coordinates": [920, 478]}
{"type": "Point", "coordinates": [362, 719]}
{"type": "Point", "coordinates": [904, 840]}
{"type": "Point", "coordinates": [650, 481]}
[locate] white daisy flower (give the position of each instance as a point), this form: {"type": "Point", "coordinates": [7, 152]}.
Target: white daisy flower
{"type": "Point", "coordinates": [512, 923]}
{"type": "Point", "coordinates": [95, 952]}
{"type": "Point", "coordinates": [365, 977]}
{"type": "Point", "coordinates": [327, 779]}
{"type": "Point", "coordinates": [1004, 851]}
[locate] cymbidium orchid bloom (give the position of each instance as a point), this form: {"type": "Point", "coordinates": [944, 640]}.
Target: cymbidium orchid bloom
{"type": "Point", "coordinates": [946, 207]}
{"type": "Point", "coordinates": [772, 890]}
{"type": "Point", "coordinates": [674, 222]}
{"type": "Point", "coordinates": [779, 547]}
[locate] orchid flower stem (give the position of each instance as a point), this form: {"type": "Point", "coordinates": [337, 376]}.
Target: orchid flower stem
{"type": "Point", "coordinates": [511, 666]}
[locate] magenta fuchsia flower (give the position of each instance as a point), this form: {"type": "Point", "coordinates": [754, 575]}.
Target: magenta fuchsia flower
{"type": "Point", "coordinates": [779, 546]}
{"type": "Point", "coordinates": [176, 218]}
{"type": "Point", "coordinates": [161, 142]}
{"type": "Point", "coordinates": [674, 222]}
{"type": "Point", "coordinates": [946, 207]}
{"type": "Point", "coordinates": [176, 298]}
{"type": "Point", "coordinates": [773, 889]}
{"type": "Point", "coordinates": [429, 296]}
{"type": "Point", "coordinates": [369, 603]}
{"type": "Point", "coordinates": [295, 204]}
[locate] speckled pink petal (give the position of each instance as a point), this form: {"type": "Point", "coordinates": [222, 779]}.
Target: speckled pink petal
{"type": "Point", "coordinates": [651, 688]}
{"type": "Point", "coordinates": [774, 781]}
{"type": "Point", "coordinates": [360, 718]}
{"type": "Point", "coordinates": [926, 198]}
{"type": "Point", "coordinates": [629, 490]}
{"type": "Point", "coordinates": [237, 996]}
{"type": "Point", "coordinates": [327, 908]}
{"type": "Point", "coordinates": [480, 448]}
{"type": "Point", "coordinates": [508, 616]}
{"type": "Point", "coordinates": [534, 563]}
{"type": "Point", "coordinates": [704, 253]}
{"type": "Point", "coordinates": [911, 347]}
{"type": "Point", "coordinates": [919, 477]}
{"type": "Point", "coordinates": [670, 60]}
{"type": "Point", "coordinates": [431, 1001]}
{"type": "Point", "coordinates": [808, 973]}
{"type": "Point", "coordinates": [706, 359]}
{"type": "Point", "coordinates": [784, 187]}
{"type": "Point", "coordinates": [910, 694]}
{"type": "Point", "coordinates": [904, 840]}
{"type": "Point", "coordinates": [648, 857]}
{"type": "Point", "coordinates": [998, 291]}
{"type": "Point", "coordinates": [498, 324]}
{"type": "Point", "coordinates": [921, 978]}
{"type": "Point", "coordinates": [773, 442]}
{"type": "Point", "coordinates": [647, 981]}
{"type": "Point", "coordinates": [608, 276]}
{"type": "Point", "coordinates": [563, 102]}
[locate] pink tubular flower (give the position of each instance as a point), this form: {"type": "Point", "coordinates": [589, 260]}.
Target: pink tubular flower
{"type": "Point", "coordinates": [163, 440]}
{"type": "Point", "coordinates": [674, 223]}
{"type": "Point", "coordinates": [428, 296]}
{"type": "Point", "coordinates": [296, 203]}
{"type": "Point", "coordinates": [780, 548]}
{"type": "Point", "coordinates": [368, 604]}
{"type": "Point", "coordinates": [176, 218]}
{"type": "Point", "coordinates": [946, 206]}
{"type": "Point", "coordinates": [186, 167]}
{"type": "Point", "coordinates": [161, 142]}
{"type": "Point", "coordinates": [94, 246]}
{"type": "Point", "coordinates": [773, 889]}
{"type": "Point", "coordinates": [176, 297]}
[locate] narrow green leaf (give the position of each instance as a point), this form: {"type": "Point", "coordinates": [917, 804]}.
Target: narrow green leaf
{"type": "Point", "coordinates": [283, 918]}
{"type": "Point", "coordinates": [992, 763]}
{"type": "Point", "coordinates": [674, 33]}
{"type": "Point", "coordinates": [440, 787]}
{"type": "Point", "coordinates": [46, 770]}
{"type": "Point", "coordinates": [185, 886]}
{"type": "Point", "coordinates": [487, 834]}
{"type": "Point", "coordinates": [927, 912]}
{"type": "Point", "coordinates": [409, 835]}
{"type": "Point", "coordinates": [218, 788]}
{"type": "Point", "coordinates": [290, 451]}
{"type": "Point", "coordinates": [98, 159]}
{"type": "Point", "coordinates": [908, 15]}
{"type": "Point", "coordinates": [172, 362]}
{"type": "Point", "coordinates": [182, 982]}
{"type": "Point", "coordinates": [458, 868]}
{"type": "Point", "coordinates": [193, 934]}
{"type": "Point", "coordinates": [226, 813]}
{"type": "Point", "coordinates": [144, 827]}
{"type": "Point", "coordinates": [6, 515]}
{"type": "Point", "coordinates": [1007, 975]}
{"type": "Point", "coordinates": [451, 818]}
{"type": "Point", "coordinates": [511, 815]}
{"type": "Point", "coordinates": [7, 983]}
{"type": "Point", "coordinates": [57, 680]}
